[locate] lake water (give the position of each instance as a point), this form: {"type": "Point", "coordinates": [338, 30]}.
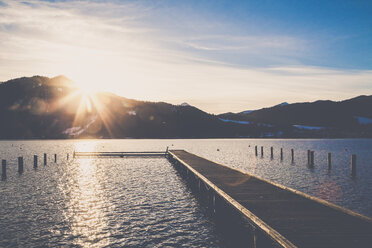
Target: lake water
{"type": "Point", "coordinates": [143, 202]}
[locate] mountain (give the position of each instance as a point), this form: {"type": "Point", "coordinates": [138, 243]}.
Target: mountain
{"type": "Point", "coordinates": [185, 104]}
{"type": "Point", "coordinates": [42, 107]}
{"type": "Point", "coordinates": [349, 118]}
{"type": "Point", "coordinates": [250, 111]}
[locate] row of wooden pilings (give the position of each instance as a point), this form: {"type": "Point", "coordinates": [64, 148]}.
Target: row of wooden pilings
{"type": "Point", "coordinates": [20, 164]}
{"type": "Point", "coordinates": [310, 158]}
{"type": "Point", "coordinates": [272, 153]}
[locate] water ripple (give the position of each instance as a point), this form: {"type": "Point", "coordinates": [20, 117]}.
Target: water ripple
{"type": "Point", "coordinates": [101, 203]}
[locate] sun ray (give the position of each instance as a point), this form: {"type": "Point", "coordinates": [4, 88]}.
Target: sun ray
{"type": "Point", "coordinates": [104, 113]}
{"type": "Point", "coordinates": [87, 107]}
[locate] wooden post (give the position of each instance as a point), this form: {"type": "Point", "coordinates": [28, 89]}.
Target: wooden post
{"type": "Point", "coordinates": [311, 157]}
{"type": "Point", "coordinates": [292, 155]}
{"type": "Point", "coordinates": [68, 155]}
{"type": "Point", "coordinates": [214, 202]}
{"type": "Point", "coordinates": [45, 158]}
{"type": "Point", "coordinates": [35, 161]}
{"type": "Point", "coordinates": [271, 152]}
{"type": "Point", "coordinates": [167, 150]}
{"type": "Point", "coordinates": [254, 238]}
{"type": "Point", "coordinates": [353, 165]}
{"type": "Point", "coordinates": [20, 164]}
{"type": "Point", "coordinates": [308, 156]}
{"type": "Point", "coordinates": [329, 160]}
{"type": "Point", "coordinates": [255, 150]}
{"type": "Point", "coordinates": [3, 168]}
{"type": "Point", "coordinates": [281, 153]}
{"type": "Point", "coordinates": [55, 158]}
{"type": "Point", "coordinates": [262, 151]}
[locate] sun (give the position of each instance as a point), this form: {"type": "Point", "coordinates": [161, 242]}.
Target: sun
{"type": "Point", "coordinates": [90, 108]}
{"type": "Point", "coordinates": [88, 93]}
{"type": "Point", "coordinates": [87, 89]}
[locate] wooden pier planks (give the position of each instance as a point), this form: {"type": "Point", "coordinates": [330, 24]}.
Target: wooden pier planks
{"type": "Point", "coordinates": [118, 154]}
{"type": "Point", "coordinates": [302, 220]}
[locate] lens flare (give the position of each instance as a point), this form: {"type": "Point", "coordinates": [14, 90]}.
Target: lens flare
{"type": "Point", "coordinates": [90, 110]}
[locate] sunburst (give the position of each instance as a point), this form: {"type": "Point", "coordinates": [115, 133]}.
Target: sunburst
{"type": "Point", "coordinates": [89, 108]}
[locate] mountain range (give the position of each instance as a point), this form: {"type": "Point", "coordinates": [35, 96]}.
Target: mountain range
{"type": "Point", "coordinates": [47, 108]}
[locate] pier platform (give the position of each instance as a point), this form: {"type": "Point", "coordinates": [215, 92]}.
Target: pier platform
{"type": "Point", "coordinates": [286, 216]}
{"type": "Point", "coordinates": [118, 154]}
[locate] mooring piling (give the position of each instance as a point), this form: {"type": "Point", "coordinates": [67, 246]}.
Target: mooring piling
{"type": "Point", "coordinates": [262, 151]}
{"type": "Point", "coordinates": [35, 161]}
{"type": "Point", "coordinates": [329, 159]}
{"type": "Point", "coordinates": [271, 152]}
{"type": "Point", "coordinates": [353, 164]}
{"type": "Point", "coordinates": [311, 158]}
{"type": "Point", "coordinates": [20, 165]}
{"type": "Point", "coordinates": [3, 169]}
{"type": "Point", "coordinates": [214, 201]}
{"type": "Point", "coordinates": [292, 155]}
{"type": "Point", "coordinates": [308, 157]}
{"type": "Point", "coordinates": [254, 241]}
{"type": "Point", "coordinates": [281, 153]}
{"type": "Point", "coordinates": [255, 151]}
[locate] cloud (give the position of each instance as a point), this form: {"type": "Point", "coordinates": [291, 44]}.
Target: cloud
{"type": "Point", "coordinates": [253, 44]}
{"type": "Point", "coordinates": [141, 52]}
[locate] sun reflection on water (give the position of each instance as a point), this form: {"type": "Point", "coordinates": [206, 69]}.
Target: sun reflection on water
{"type": "Point", "coordinates": [330, 191]}
{"type": "Point", "coordinates": [87, 204]}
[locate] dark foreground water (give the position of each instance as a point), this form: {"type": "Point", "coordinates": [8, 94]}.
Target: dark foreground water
{"type": "Point", "coordinates": [143, 202]}
{"type": "Point", "coordinates": [97, 203]}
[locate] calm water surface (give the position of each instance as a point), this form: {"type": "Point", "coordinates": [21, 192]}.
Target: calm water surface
{"type": "Point", "coordinates": [143, 202]}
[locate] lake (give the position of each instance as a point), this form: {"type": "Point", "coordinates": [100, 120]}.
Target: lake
{"type": "Point", "coordinates": [143, 202]}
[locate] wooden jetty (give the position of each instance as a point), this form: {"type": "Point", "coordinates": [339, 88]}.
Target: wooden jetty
{"type": "Point", "coordinates": [288, 218]}
{"type": "Point", "coordinates": [118, 154]}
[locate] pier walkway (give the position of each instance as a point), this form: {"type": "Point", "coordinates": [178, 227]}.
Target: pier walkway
{"type": "Point", "coordinates": [288, 217]}
{"type": "Point", "coordinates": [118, 154]}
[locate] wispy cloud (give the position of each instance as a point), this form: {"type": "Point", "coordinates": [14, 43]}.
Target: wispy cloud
{"type": "Point", "coordinates": [140, 52]}
{"type": "Point", "coordinates": [253, 44]}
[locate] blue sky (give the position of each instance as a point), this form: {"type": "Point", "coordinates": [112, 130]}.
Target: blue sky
{"type": "Point", "coordinates": [336, 33]}
{"type": "Point", "coordinates": [217, 55]}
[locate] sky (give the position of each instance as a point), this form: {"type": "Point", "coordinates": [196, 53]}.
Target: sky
{"type": "Point", "coordinates": [220, 56]}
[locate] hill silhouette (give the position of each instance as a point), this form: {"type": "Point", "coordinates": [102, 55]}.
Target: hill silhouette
{"type": "Point", "coordinates": [348, 118]}
{"type": "Point", "coordinates": [42, 107]}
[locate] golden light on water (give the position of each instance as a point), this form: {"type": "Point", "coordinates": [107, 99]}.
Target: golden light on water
{"type": "Point", "coordinates": [330, 191]}
{"type": "Point", "coordinates": [86, 203]}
